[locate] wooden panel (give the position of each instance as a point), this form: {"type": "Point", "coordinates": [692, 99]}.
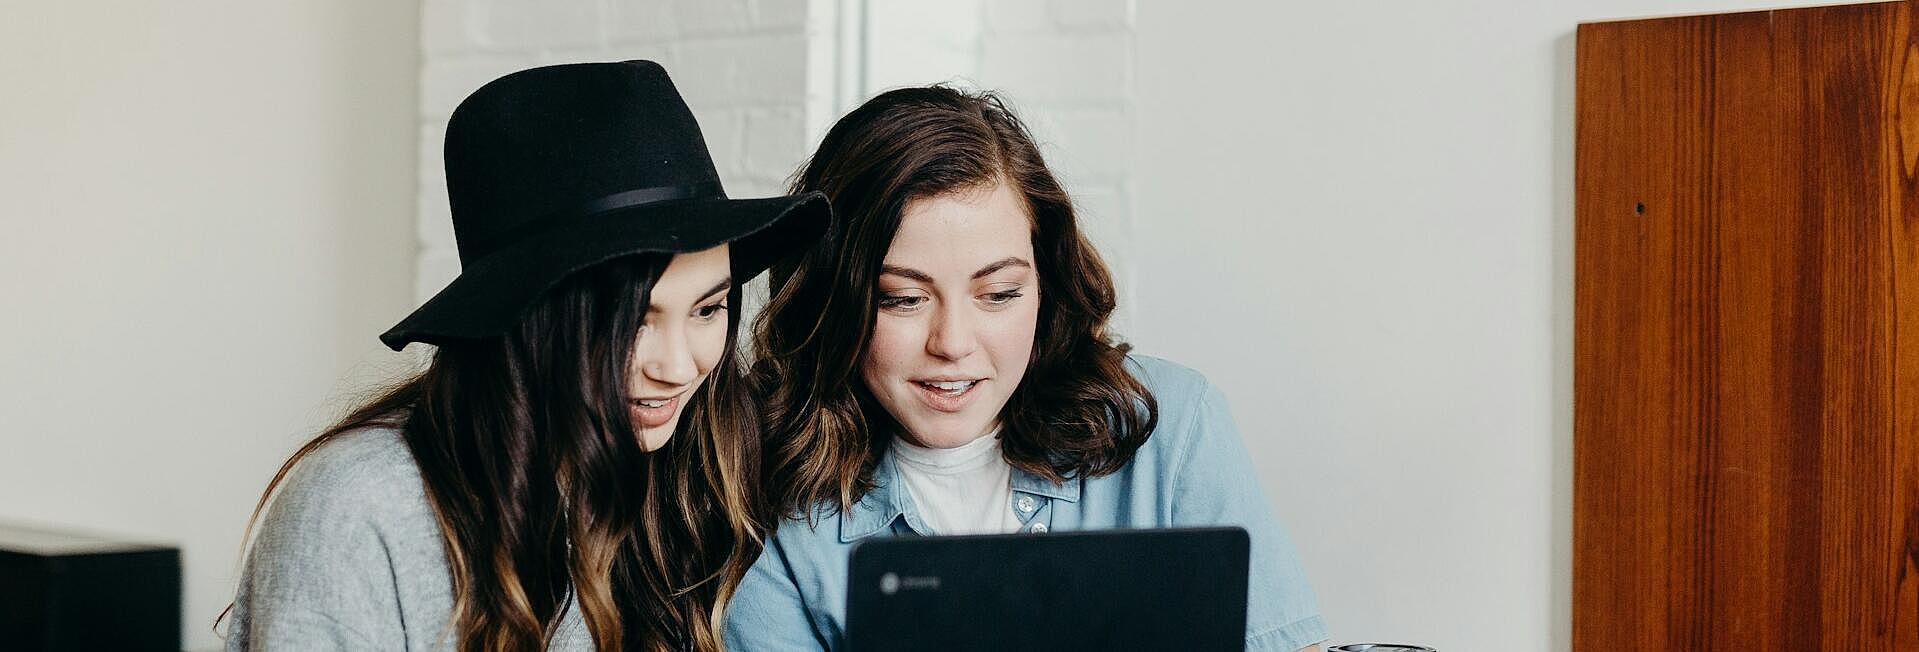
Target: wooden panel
{"type": "Point", "coordinates": [1746, 405]}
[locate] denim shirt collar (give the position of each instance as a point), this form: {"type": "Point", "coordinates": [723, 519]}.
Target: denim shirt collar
{"type": "Point", "coordinates": [889, 501]}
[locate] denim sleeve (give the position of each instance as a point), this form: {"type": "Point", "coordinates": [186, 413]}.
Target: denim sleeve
{"type": "Point", "coordinates": [767, 611]}
{"type": "Point", "coordinates": [1214, 484]}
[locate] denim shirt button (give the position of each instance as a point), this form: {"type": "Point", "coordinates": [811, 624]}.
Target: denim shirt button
{"type": "Point", "coordinates": [1025, 503]}
{"type": "Point", "coordinates": [1039, 528]}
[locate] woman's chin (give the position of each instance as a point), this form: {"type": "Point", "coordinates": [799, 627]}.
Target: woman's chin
{"type": "Point", "coordinates": [947, 437]}
{"type": "Point", "coordinates": [651, 439]}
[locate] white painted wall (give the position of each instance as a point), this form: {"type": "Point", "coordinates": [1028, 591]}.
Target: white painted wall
{"type": "Point", "coordinates": [205, 220]}
{"type": "Point", "coordinates": [1359, 217]}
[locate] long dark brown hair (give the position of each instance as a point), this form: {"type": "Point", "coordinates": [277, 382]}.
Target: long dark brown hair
{"type": "Point", "coordinates": [1077, 412]}
{"type": "Point", "coordinates": [535, 471]}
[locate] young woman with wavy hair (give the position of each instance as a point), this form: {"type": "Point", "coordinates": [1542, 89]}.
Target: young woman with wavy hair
{"type": "Point", "coordinates": [942, 365]}
{"type": "Point", "coordinates": [577, 467]}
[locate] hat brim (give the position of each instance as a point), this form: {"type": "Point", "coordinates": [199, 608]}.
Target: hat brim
{"type": "Point", "coordinates": [492, 293]}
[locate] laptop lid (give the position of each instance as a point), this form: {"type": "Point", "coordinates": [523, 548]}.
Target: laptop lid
{"type": "Point", "coordinates": [1164, 589]}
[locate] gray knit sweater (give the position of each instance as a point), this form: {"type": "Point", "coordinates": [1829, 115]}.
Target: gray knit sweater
{"type": "Point", "coordinates": [349, 557]}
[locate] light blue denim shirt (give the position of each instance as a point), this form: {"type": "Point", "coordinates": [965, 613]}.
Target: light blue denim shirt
{"type": "Point", "coordinates": [1192, 471]}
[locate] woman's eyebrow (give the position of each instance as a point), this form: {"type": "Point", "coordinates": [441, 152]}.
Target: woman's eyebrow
{"type": "Point", "coordinates": [722, 286]}
{"type": "Point", "coordinates": [907, 272]}
{"type": "Point", "coordinates": [923, 277]}
{"type": "Point", "coordinates": [1003, 263]}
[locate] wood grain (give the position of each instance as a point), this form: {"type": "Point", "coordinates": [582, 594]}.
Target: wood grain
{"type": "Point", "coordinates": [1746, 403]}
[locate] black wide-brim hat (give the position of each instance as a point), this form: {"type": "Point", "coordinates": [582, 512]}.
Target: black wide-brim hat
{"type": "Point", "coordinates": [553, 170]}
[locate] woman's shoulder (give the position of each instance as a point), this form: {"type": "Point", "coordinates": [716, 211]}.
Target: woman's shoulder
{"type": "Point", "coordinates": [1150, 369]}
{"type": "Point", "coordinates": [817, 527]}
{"type": "Point", "coordinates": [1178, 389]}
{"type": "Point", "coordinates": [347, 545]}
{"type": "Point", "coordinates": [1191, 409]}
{"type": "Point", "coordinates": [358, 478]}
{"type": "Point", "coordinates": [365, 452]}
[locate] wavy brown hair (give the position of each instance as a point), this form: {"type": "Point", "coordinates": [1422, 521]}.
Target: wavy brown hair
{"type": "Point", "coordinates": [1077, 412]}
{"type": "Point", "coordinates": [535, 472]}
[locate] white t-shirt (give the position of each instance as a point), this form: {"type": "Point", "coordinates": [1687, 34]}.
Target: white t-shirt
{"type": "Point", "coordinates": [963, 490]}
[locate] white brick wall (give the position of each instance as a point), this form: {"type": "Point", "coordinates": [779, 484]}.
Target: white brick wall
{"type": "Point", "coordinates": [1066, 66]}
{"type": "Point", "coordinates": [766, 77]}
{"type": "Point", "coordinates": [742, 65]}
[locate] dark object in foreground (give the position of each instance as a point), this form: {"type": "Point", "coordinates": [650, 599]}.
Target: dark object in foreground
{"type": "Point", "coordinates": [1175, 589]}
{"type": "Point", "coordinates": [64, 591]}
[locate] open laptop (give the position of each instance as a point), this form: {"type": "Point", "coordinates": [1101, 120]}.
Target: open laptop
{"type": "Point", "coordinates": [1171, 589]}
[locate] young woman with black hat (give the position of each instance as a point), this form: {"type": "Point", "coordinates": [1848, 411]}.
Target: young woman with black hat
{"type": "Point", "coordinates": [942, 366]}
{"type": "Point", "coordinates": [576, 468]}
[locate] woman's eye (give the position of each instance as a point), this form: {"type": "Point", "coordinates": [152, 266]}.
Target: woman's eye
{"type": "Point", "coordinates": [901, 302]}
{"type": "Point", "coordinates": [1003, 298]}
{"type": "Point", "coordinates": [707, 313]}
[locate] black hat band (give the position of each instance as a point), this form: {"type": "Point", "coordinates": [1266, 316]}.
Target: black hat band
{"type": "Point", "coordinates": [607, 204]}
